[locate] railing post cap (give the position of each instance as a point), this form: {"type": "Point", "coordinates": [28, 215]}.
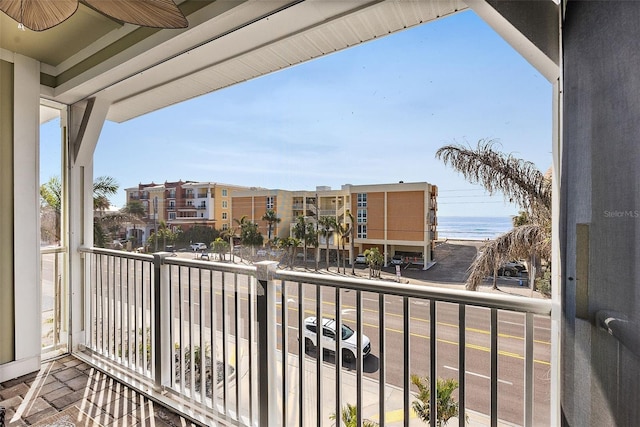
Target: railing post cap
{"type": "Point", "coordinates": [265, 270]}
{"type": "Point", "coordinates": [159, 256]}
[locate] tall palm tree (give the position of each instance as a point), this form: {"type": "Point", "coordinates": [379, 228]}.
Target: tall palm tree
{"type": "Point", "coordinates": [352, 237]}
{"type": "Point", "coordinates": [300, 233]}
{"type": "Point", "coordinates": [343, 231]}
{"type": "Point", "coordinates": [327, 226]}
{"type": "Point", "coordinates": [521, 183]}
{"type": "Point", "coordinates": [272, 218]}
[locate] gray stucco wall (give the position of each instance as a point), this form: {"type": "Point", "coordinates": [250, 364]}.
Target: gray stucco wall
{"type": "Point", "coordinates": [601, 176]}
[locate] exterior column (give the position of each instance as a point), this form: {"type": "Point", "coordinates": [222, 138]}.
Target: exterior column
{"type": "Point", "coordinates": [85, 124]}
{"type": "Point", "coordinates": [20, 290]}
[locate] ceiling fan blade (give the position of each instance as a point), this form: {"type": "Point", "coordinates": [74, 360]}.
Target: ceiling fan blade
{"type": "Point", "coordinates": [39, 15]}
{"type": "Point", "coordinates": [146, 13]}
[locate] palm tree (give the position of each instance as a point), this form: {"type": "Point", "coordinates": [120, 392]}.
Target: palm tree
{"type": "Point", "coordinates": [227, 234]}
{"type": "Point", "coordinates": [272, 218]}
{"type": "Point", "coordinates": [219, 247]}
{"type": "Point", "coordinates": [343, 231]}
{"type": "Point", "coordinates": [352, 238]}
{"type": "Point", "coordinates": [521, 183]}
{"type": "Point", "coordinates": [446, 406]}
{"type": "Point", "coordinates": [249, 233]}
{"type": "Point", "coordinates": [327, 225]}
{"type": "Point", "coordinates": [134, 211]}
{"type": "Point", "coordinates": [300, 232]}
{"type": "Point", "coordinates": [350, 417]}
{"type": "Point", "coordinates": [103, 187]}
{"type": "Point", "coordinates": [289, 244]}
{"type": "Point", "coordinates": [374, 261]}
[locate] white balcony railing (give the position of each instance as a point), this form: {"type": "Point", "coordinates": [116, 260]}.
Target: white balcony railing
{"type": "Point", "coordinates": [220, 341]}
{"type": "Point", "coordinates": [54, 297]}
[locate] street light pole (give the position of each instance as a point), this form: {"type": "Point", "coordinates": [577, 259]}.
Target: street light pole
{"type": "Point", "coordinates": [155, 221]}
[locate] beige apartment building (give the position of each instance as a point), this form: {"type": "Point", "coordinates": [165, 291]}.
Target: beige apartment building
{"type": "Point", "coordinates": [183, 204]}
{"type": "Point", "coordinates": [398, 219]}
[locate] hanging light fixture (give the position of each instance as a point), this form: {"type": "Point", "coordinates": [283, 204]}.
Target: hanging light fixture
{"type": "Point", "coordinates": [40, 15]}
{"type": "Point", "coordinates": [20, 24]}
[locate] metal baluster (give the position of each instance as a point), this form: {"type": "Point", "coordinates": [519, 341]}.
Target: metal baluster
{"type": "Point", "coordinates": [319, 354]}
{"type": "Point", "coordinates": [528, 370]}
{"type": "Point", "coordinates": [407, 331]}
{"type": "Point", "coordinates": [338, 356]}
{"type": "Point", "coordinates": [225, 356]}
{"type": "Point", "coordinates": [285, 352]}
{"type": "Point", "coordinates": [494, 367]}
{"type": "Point", "coordinates": [358, 357]}
{"type": "Point", "coordinates": [433, 406]}
{"type": "Point", "coordinates": [301, 354]}
{"type": "Point", "coordinates": [462, 364]}
{"type": "Point", "coordinates": [382, 372]}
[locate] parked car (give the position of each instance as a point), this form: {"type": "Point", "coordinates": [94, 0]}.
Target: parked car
{"type": "Point", "coordinates": [198, 247]}
{"type": "Point", "coordinates": [511, 268]}
{"type": "Point", "coordinates": [515, 264]}
{"type": "Point", "coordinates": [396, 260]}
{"type": "Point", "coordinates": [361, 259]}
{"type": "Point", "coordinates": [349, 338]}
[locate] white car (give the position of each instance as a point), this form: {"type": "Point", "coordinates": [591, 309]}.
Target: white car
{"type": "Point", "coordinates": [349, 338]}
{"type": "Point", "coordinates": [198, 247]}
{"type": "Point", "coordinates": [361, 259]}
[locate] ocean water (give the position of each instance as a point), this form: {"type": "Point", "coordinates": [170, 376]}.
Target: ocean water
{"type": "Point", "coordinates": [472, 227]}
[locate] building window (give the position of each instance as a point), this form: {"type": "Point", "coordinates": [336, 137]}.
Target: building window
{"type": "Point", "coordinates": [270, 202]}
{"type": "Point", "coordinates": [225, 226]}
{"type": "Point", "coordinates": [362, 216]}
{"type": "Point", "coordinates": [189, 202]}
{"type": "Point", "coordinates": [172, 194]}
{"type": "Point", "coordinates": [362, 231]}
{"type": "Point", "coordinates": [362, 200]}
{"type": "Point", "coordinates": [224, 204]}
{"type": "Point", "coordinates": [172, 204]}
{"type": "Point", "coordinates": [224, 215]}
{"type": "Point", "coordinates": [172, 215]}
{"type": "Point", "coordinates": [224, 192]}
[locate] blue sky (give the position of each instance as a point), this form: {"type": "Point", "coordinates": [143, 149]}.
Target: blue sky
{"type": "Point", "coordinates": [375, 113]}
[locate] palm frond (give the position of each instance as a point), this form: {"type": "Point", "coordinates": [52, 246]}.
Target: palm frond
{"type": "Point", "coordinates": [105, 186]}
{"type": "Point", "coordinates": [520, 181]}
{"type": "Point", "coordinates": [518, 243]}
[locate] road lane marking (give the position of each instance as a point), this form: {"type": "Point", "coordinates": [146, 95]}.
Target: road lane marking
{"type": "Point", "coordinates": [480, 331]}
{"type": "Point", "coordinates": [441, 323]}
{"type": "Point", "coordinates": [445, 341]}
{"type": "Point", "coordinates": [484, 331]}
{"type": "Point", "coordinates": [352, 308]}
{"type": "Point", "coordinates": [478, 375]}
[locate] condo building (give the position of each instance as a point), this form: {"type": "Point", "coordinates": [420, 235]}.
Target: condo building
{"type": "Point", "coordinates": [182, 204]}
{"type": "Point", "coordinates": [399, 219]}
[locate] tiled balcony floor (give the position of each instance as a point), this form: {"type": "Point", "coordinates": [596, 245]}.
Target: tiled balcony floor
{"type": "Point", "coordinates": [68, 392]}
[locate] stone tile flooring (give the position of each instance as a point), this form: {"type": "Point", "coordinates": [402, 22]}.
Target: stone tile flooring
{"type": "Point", "coordinates": [68, 392]}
